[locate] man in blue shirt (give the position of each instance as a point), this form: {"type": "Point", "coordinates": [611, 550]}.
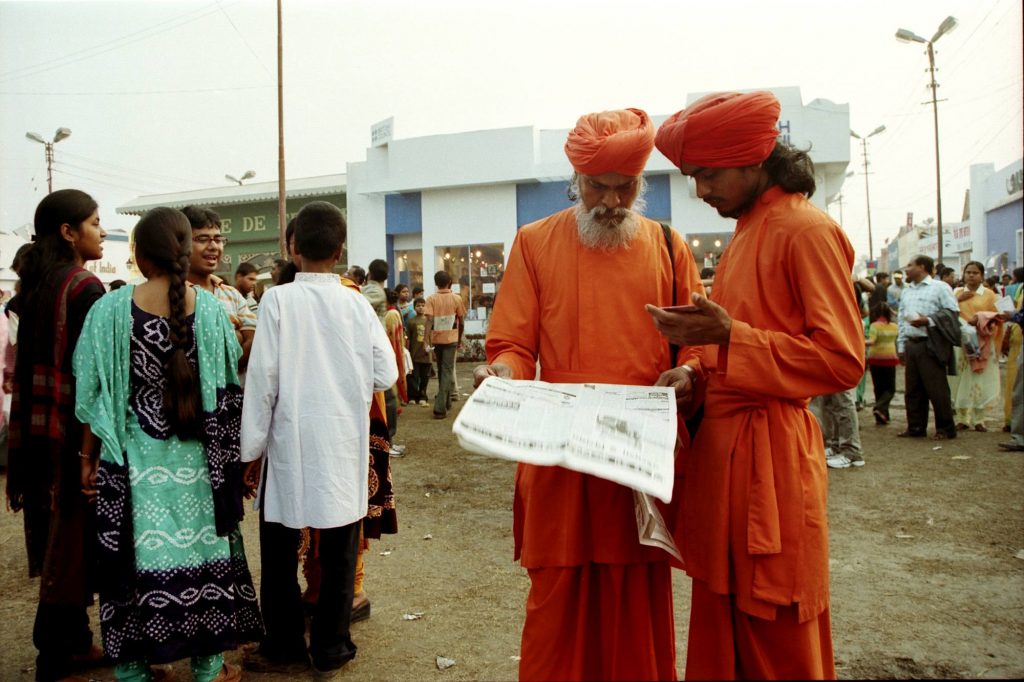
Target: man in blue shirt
{"type": "Point", "coordinates": [895, 290]}
{"type": "Point", "coordinates": [926, 382]}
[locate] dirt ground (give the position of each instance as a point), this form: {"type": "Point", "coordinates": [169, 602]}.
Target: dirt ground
{"type": "Point", "coordinates": [927, 564]}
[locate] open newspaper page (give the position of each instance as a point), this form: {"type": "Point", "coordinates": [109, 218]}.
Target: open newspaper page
{"type": "Point", "coordinates": [625, 434]}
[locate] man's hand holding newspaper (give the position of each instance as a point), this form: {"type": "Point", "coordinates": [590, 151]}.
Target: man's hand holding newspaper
{"type": "Point", "coordinates": [625, 434]}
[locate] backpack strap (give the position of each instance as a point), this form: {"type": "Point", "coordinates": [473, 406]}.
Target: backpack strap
{"type": "Point", "coordinates": [673, 350]}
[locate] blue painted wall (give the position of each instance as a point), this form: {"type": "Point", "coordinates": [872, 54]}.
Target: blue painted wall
{"type": "Point", "coordinates": [659, 200]}
{"type": "Point", "coordinates": [403, 214]}
{"type": "Point", "coordinates": [1002, 225]}
{"type": "Point", "coordinates": [536, 200]}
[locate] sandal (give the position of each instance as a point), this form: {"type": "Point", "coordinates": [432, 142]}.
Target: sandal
{"type": "Point", "coordinates": [229, 673]}
{"type": "Point", "coordinates": [980, 428]}
{"type": "Point", "coordinates": [942, 436]}
{"type": "Point", "coordinates": [962, 427]}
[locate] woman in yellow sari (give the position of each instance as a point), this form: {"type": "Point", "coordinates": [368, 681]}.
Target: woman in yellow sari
{"type": "Point", "coordinates": [976, 386]}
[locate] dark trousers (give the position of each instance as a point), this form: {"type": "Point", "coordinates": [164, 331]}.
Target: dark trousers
{"type": "Point", "coordinates": [883, 377]}
{"type": "Point", "coordinates": [330, 645]}
{"type": "Point", "coordinates": [60, 631]}
{"type": "Point", "coordinates": [445, 376]}
{"type": "Point", "coordinates": [391, 408]}
{"type": "Point", "coordinates": [926, 382]}
{"type": "Point", "coordinates": [420, 377]}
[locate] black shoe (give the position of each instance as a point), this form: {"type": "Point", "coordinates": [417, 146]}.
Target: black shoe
{"type": "Point", "coordinates": [910, 434]}
{"type": "Point", "coordinates": [1010, 446]}
{"type": "Point", "coordinates": [328, 663]}
{"type": "Point", "coordinates": [360, 612]}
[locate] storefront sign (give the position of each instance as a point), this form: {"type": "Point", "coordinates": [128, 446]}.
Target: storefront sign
{"type": "Point", "coordinates": [959, 237]}
{"type": "Point", "coordinates": [382, 132]}
{"type": "Point", "coordinates": [1015, 181]}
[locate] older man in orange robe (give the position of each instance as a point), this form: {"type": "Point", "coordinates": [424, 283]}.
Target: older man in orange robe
{"type": "Point", "coordinates": [782, 328]}
{"type": "Point", "coordinates": [572, 298]}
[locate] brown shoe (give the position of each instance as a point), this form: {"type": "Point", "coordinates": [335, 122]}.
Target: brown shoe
{"type": "Point", "coordinates": [93, 657]}
{"type": "Point", "coordinates": [962, 427]}
{"type": "Point", "coordinates": [980, 428]}
{"type": "Point", "coordinates": [360, 608]}
{"type": "Point", "coordinates": [229, 673]}
{"type": "Point", "coordinates": [164, 673]}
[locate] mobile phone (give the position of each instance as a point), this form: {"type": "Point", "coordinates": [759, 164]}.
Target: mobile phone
{"type": "Point", "coordinates": [681, 309]}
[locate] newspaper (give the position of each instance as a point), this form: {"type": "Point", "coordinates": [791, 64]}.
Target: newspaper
{"type": "Point", "coordinates": [625, 434]}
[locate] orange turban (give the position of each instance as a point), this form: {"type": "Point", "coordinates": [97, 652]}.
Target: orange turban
{"type": "Point", "coordinates": [611, 142]}
{"type": "Point", "coordinates": [722, 130]}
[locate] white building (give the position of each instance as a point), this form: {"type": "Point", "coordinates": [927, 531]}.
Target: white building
{"type": "Point", "coordinates": [113, 265]}
{"type": "Point", "coordinates": [990, 232]}
{"type": "Point", "coordinates": [455, 201]}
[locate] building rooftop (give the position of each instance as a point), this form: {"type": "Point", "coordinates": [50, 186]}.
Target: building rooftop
{"type": "Point", "coordinates": [317, 186]}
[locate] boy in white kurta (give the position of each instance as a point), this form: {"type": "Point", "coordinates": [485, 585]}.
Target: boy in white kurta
{"type": "Point", "coordinates": [318, 356]}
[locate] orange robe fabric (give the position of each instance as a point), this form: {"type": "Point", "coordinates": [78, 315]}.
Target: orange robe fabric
{"type": "Point", "coordinates": [754, 518]}
{"type": "Point", "coordinates": [580, 312]}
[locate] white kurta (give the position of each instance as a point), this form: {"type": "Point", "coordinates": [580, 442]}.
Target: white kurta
{"type": "Point", "coordinates": [319, 354]}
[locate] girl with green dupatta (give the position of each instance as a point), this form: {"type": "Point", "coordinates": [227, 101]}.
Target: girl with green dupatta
{"type": "Point", "coordinates": [156, 371]}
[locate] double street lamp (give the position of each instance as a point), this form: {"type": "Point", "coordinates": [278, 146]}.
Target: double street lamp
{"type": "Point", "coordinates": [903, 35]}
{"type": "Point", "coordinates": [61, 134]}
{"type": "Point", "coordinates": [245, 176]}
{"type": "Point", "coordinates": [867, 191]}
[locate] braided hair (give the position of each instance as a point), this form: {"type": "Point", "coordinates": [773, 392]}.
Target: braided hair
{"type": "Point", "coordinates": [164, 238]}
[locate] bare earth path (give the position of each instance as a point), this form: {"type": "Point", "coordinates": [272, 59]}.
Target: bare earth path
{"type": "Point", "coordinates": [926, 581]}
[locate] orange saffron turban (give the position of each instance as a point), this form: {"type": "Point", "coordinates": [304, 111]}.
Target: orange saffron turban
{"type": "Point", "coordinates": [722, 130]}
{"type": "Point", "coordinates": [611, 142]}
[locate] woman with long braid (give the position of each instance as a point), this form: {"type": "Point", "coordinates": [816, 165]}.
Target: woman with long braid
{"type": "Point", "coordinates": [158, 384]}
{"type": "Point", "coordinates": [55, 295]}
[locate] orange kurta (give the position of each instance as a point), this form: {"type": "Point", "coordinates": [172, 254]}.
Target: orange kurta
{"type": "Point", "coordinates": [754, 503]}
{"type": "Point", "coordinates": [581, 313]}
{"type": "Point", "coordinates": [600, 604]}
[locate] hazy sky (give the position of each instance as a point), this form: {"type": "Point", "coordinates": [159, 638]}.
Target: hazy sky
{"type": "Point", "coordinates": [170, 96]}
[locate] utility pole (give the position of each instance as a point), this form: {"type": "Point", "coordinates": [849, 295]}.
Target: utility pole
{"type": "Point", "coordinates": [903, 35]}
{"type": "Point", "coordinates": [867, 189]}
{"type": "Point", "coordinates": [280, 137]}
{"type": "Point", "coordinates": [62, 133]}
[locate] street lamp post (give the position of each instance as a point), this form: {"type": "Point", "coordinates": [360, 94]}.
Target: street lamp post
{"type": "Point", "coordinates": [903, 35]}
{"type": "Point", "coordinates": [245, 176]}
{"type": "Point", "coordinates": [867, 190]}
{"type": "Point", "coordinates": [61, 134]}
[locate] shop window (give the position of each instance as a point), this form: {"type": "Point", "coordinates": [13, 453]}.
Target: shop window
{"type": "Point", "coordinates": [476, 271]}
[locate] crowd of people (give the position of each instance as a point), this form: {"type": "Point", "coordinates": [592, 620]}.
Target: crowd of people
{"type": "Point", "coordinates": [144, 417]}
{"type": "Point", "coordinates": [951, 335]}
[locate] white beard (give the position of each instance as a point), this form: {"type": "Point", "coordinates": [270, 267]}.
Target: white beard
{"type": "Point", "coordinates": [610, 233]}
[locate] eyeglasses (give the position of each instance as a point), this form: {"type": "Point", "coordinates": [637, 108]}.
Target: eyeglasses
{"type": "Point", "coordinates": [205, 239]}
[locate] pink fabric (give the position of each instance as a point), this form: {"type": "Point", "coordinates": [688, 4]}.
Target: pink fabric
{"type": "Point", "coordinates": [987, 324]}
{"type": "Point", "coordinates": [722, 130]}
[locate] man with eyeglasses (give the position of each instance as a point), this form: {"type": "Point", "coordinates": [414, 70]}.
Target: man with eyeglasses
{"type": "Point", "coordinates": [207, 251]}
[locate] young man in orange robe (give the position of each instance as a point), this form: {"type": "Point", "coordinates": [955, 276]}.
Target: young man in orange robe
{"type": "Point", "coordinates": [572, 298]}
{"type": "Point", "coordinates": [781, 327]}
